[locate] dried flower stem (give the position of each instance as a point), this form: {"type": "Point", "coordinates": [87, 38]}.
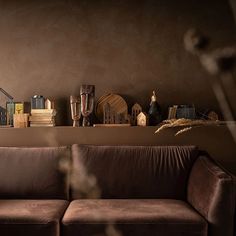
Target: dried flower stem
{"type": "Point", "coordinates": [225, 107]}
{"type": "Point", "coordinates": [229, 84]}
{"type": "Point", "coordinates": [219, 62]}
{"type": "Point", "coordinates": [183, 130]}
{"type": "Point", "coordinates": [185, 122]}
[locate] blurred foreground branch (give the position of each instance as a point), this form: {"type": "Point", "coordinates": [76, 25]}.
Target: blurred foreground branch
{"type": "Point", "coordinates": [219, 64]}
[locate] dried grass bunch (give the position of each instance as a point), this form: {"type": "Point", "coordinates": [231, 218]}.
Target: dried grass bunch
{"type": "Point", "coordinates": [187, 123]}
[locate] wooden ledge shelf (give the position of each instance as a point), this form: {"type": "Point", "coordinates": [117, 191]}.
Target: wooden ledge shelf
{"type": "Point", "coordinates": [114, 126]}
{"type": "Point", "coordinates": [216, 140]}
{"type": "Point", "coordinates": [67, 135]}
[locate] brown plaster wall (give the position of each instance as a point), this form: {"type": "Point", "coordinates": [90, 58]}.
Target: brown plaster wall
{"type": "Point", "coordinates": [129, 47]}
{"type": "Point", "coordinates": [51, 47]}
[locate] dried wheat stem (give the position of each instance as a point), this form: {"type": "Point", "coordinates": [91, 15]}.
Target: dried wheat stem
{"type": "Point", "coordinates": [225, 108]}
{"type": "Point", "coordinates": [183, 130]}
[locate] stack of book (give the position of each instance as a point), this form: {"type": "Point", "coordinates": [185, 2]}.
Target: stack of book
{"type": "Point", "coordinates": [42, 118]}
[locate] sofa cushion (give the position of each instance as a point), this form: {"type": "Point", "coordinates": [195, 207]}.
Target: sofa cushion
{"type": "Point", "coordinates": [32, 173]}
{"type": "Point", "coordinates": [134, 171]}
{"type": "Point", "coordinates": [31, 217]}
{"type": "Point", "coordinates": [132, 217]}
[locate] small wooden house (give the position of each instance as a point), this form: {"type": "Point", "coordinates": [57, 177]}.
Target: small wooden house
{"type": "Point", "coordinates": [49, 104]}
{"type": "Point", "coordinates": [136, 109]}
{"type": "Point", "coordinates": [142, 119]}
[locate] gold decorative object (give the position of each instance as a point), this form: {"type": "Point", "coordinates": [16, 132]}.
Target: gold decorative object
{"type": "Point", "coordinates": [19, 107]}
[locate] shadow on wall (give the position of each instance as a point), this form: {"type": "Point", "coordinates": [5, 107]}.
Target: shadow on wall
{"type": "Point", "coordinates": [63, 116]}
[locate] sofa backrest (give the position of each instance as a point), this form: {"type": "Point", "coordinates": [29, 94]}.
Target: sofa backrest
{"type": "Point", "coordinates": [32, 173]}
{"type": "Point", "coordinates": [133, 171]}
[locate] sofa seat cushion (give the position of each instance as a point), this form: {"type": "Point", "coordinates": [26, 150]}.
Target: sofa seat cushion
{"type": "Point", "coordinates": [31, 217]}
{"type": "Point", "coordinates": [132, 217]}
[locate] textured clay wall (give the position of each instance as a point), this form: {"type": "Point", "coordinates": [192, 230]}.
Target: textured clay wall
{"type": "Point", "coordinates": [123, 46]}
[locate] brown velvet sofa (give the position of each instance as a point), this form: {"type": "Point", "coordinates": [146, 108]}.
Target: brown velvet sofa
{"type": "Point", "coordinates": [140, 190]}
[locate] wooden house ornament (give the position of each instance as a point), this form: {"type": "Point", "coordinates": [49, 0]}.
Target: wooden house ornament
{"type": "Point", "coordinates": [108, 114]}
{"type": "Point", "coordinates": [136, 109]}
{"type": "Point", "coordinates": [142, 119]}
{"type": "Point", "coordinates": [112, 117]}
{"type": "Point", "coordinates": [49, 104]}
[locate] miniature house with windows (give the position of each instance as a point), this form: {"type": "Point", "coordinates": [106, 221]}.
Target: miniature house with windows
{"type": "Point", "coordinates": [6, 108]}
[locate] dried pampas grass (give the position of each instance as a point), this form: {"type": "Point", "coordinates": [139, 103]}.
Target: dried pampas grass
{"type": "Point", "coordinates": [184, 122]}
{"type": "Point", "coordinates": [183, 130]}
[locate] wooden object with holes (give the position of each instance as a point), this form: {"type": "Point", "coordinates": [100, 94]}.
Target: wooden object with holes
{"type": "Point", "coordinates": [117, 105]}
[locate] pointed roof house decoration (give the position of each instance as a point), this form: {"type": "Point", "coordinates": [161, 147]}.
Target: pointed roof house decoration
{"type": "Point", "coordinates": [142, 119]}
{"type": "Point", "coordinates": [136, 109]}
{"type": "Point", "coordinates": [6, 108]}
{"type": "Point", "coordinates": [49, 104]}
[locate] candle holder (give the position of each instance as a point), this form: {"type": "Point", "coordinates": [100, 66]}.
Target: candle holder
{"type": "Point", "coordinates": [87, 93]}
{"type": "Point", "coordinates": [75, 110]}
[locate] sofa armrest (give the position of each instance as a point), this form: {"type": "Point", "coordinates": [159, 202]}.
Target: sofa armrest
{"type": "Point", "coordinates": [211, 191]}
